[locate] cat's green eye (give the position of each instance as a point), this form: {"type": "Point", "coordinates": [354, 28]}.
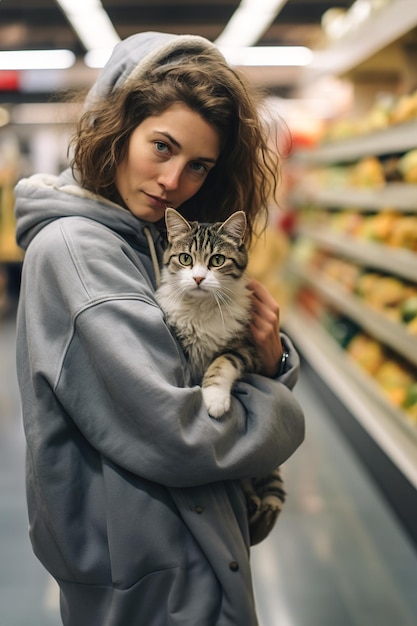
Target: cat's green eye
{"type": "Point", "coordinates": [185, 259]}
{"type": "Point", "coordinates": [217, 260]}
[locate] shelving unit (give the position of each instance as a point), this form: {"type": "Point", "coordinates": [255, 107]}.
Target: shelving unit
{"type": "Point", "coordinates": [10, 254]}
{"type": "Point", "coordinates": [383, 27]}
{"type": "Point", "coordinates": [390, 333]}
{"type": "Point", "coordinates": [390, 430]}
{"type": "Point", "coordinates": [397, 138]}
{"type": "Point", "coordinates": [394, 261]}
{"type": "Point", "coordinates": [378, 417]}
{"type": "Point", "coordinates": [396, 196]}
{"type": "Point", "coordinates": [379, 435]}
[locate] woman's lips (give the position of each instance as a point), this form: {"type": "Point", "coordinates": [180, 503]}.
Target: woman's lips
{"type": "Point", "coordinates": [157, 202]}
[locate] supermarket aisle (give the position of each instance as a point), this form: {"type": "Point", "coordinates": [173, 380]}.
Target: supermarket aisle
{"type": "Point", "coordinates": [336, 558]}
{"type": "Point", "coordinates": [26, 596]}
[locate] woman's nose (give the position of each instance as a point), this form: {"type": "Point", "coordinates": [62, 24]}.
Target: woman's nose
{"type": "Point", "coordinates": [170, 176]}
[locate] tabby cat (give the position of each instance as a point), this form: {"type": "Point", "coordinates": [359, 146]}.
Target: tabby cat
{"type": "Point", "coordinates": [207, 304]}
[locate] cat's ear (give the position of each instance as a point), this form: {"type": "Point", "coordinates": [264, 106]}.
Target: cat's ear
{"type": "Point", "coordinates": [176, 224]}
{"type": "Point", "coordinates": [235, 226]}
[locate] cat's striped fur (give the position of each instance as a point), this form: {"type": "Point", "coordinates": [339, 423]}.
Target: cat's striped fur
{"type": "Point", "coordinates": [207, 304]}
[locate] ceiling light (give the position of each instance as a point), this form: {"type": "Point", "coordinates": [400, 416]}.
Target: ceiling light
{"type": "Point", "coordinates": [249, 22]}
{"type": "Point", "coordinates": [268, 55]}
{"type": "Point", "coordinates": [97, 58]}
{"type": "Point", "coordinates": [91, 23]}
{"type": "Point", "coordinates": [36, 59]}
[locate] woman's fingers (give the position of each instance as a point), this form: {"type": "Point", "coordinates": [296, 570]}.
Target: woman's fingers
{"type": "Point", "coordinates": [265, 328]}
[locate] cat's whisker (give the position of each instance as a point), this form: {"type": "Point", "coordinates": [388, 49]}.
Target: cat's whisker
{"type": "Point", "coordinates": [224, 299]}
{"type": "Point", "coordinates": [229, 292]}
{"type": "Point", "coordinates": [218, 299]}
{"type": "Point", "coordinates": [176, 295]}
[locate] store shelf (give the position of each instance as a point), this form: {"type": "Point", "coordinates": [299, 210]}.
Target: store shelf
{"type": "Point", "coordinates": [383, 27]}
{"type": "Point", "coordinates": [397, 261]}
{"type": "Point", "coordinates": [396, 196]}
{"type": "Point", "coordinates": [387, 426]}
{"type": "Point", "coordinates": [382, 434]}
{"type": "Point", "coordinates": [384, 330]}
{"type": "Point", "coordinates": [390, 140]}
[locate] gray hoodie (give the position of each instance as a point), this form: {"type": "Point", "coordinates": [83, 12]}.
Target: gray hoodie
{"type": "Point", "coordinates": [134, 499]}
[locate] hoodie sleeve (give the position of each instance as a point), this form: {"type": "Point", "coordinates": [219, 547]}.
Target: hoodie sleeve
{"type": "Point", "coordinates": [119, 376]}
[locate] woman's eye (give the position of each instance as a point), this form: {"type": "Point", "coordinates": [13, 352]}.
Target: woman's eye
{"type": "Point", "coordinates": [217, 260]}
{"type": "Point", "coordinates": [161, 147]}
{"type": "Point", "coordinates": [199, 168]}
{"type": "Point", "coordinates": [185, 259]}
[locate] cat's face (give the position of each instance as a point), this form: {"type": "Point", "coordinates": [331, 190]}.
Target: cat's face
{"type": "Point", "coordinates": [205, 260]}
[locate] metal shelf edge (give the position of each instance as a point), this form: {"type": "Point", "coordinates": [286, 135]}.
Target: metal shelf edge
{"type": "Point", "coordinates": [388, 429]}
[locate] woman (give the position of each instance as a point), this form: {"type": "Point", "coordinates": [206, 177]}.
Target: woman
{"type": "Point", "coordinates": [133, 490]}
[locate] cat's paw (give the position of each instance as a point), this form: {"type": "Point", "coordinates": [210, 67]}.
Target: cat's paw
{"type": "Point", "coordinates": [217, 400]}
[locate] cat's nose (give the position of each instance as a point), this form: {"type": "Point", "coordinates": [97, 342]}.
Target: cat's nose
{"type": "Point", "coordinates": [198, 279]}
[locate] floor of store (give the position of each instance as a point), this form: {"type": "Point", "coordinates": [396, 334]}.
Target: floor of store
{"type": "Point", "coordinates": [337, 557]}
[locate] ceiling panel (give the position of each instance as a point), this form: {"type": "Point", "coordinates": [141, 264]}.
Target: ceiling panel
{"type": "Point", "coordinates": [27, 24]}
{"type": "Point", "coordinates": [40, 24]}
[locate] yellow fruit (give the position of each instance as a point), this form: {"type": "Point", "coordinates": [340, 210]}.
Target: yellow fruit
{"type": "Point", "coordinates": [393, 375]}
{"type": "Point", "coordinates": [404, 233]}
{"type": "Point", "coordinates": [412, 326]}
{"type": "Point", "coordinates": [396, 395]}
{"type": "Point", "coordinates": [410, 403]}
{"type": "Point", "coordinates": [407, 165]}
{"type": "Point", "coordinates": [395, 380]}
{"type": "Point", "coordinates": [368, 173]}
{"type": "Point", "coordinates": [367, 352]}
{"type": "Point", "coordinates": [387, 292]}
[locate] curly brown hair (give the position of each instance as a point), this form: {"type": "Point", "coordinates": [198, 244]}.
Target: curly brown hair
{"type": "Point", "coordinates": [247, 172]}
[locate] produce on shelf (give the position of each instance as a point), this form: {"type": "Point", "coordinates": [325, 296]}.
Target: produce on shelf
{"type": "Point", "coordinates": [367, 172]}
{"type": "Point", "coordinates": [387, 227]}
{"type": "Point", "coordinates": [410, 402]}
{"type": "Point", "coordinates": [404, 109]}
{"type": "Point", "coordinates": [377, 227]}
{"type": "Point", "coordinates": [386, 111]}
{"type": "Point", "coordinates": [391, 296]}
{"type": "Point", "coordinates": [9, 251]}
{"type": "Point", "coordinates": [341, 328]}
{"type": "Point", "coordinates": [404, 233]}
{"type": "Point", "coordinates": [407, 166]}
{"type": "Point", "coordinates": [396, 378]}
{"type": "Point", "coordinates": [409, 309]}
{"type": "Point", "coordinates": [366, 352]}
{"type": "Point", "coordinates": [357, 202]}
{"type": "Point", "coordinates": [370, 172]}
{"type": "Point", "coordinates": [386, 294]}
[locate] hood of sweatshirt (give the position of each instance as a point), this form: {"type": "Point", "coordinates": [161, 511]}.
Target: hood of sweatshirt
{"type": "Point", "coordinates": [42, 198]}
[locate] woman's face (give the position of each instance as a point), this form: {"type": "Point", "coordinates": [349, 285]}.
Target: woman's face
{"type": "Point", "coordinates": [167, 161]}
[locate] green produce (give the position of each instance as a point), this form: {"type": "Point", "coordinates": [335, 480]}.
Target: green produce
{"type": "Point", "coordinates": [409, 309]}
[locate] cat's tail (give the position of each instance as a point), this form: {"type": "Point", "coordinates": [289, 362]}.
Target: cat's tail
{"type": "Point", "coordinates": [265, 499]}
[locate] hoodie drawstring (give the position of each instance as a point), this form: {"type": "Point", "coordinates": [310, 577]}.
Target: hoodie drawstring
{"type": "Point", "coordinates": [154, 257]}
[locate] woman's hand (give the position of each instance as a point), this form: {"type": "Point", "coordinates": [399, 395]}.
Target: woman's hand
{"type": "Point", "coordinates": [265, 328]}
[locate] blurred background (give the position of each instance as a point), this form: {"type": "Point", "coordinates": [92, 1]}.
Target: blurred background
{"type": "Point", "coordinates": [340, 255]}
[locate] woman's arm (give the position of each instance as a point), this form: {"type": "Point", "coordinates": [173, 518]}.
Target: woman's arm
{"type": "Point", "coordinates": [100, 345]}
